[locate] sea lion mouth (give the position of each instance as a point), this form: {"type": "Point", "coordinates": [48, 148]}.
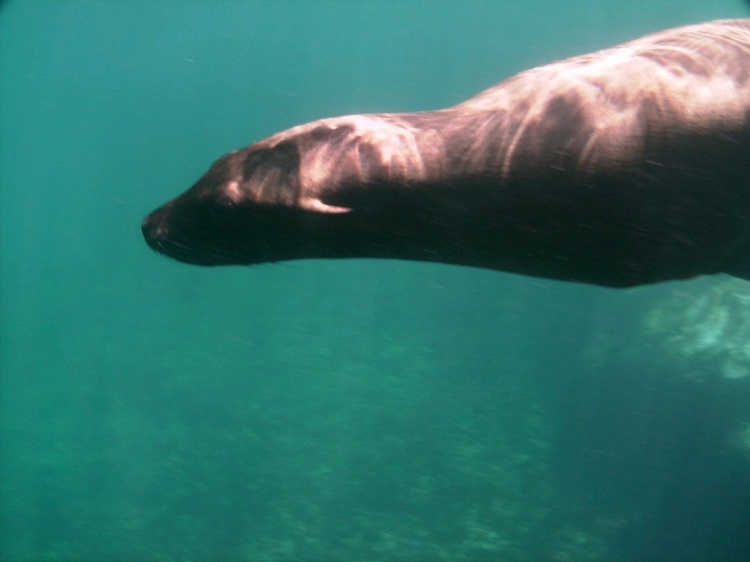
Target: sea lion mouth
{"type": "Point", "coordinates": [163, 240]}
{"type": "Point", "coordinates": [183, 252]}
{"type": "Point", "coordinates": [231, 235]}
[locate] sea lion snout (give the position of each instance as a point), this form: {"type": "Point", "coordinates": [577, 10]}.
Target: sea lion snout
{"type": "Point", "coordinates": [151, 227]}
{"type": "Point", "coordinates": [186, 236]}
{"type": "Point", "coordinates": [157, 234]}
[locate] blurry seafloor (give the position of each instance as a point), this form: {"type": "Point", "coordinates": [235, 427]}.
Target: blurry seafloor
{"type": "Point", "coordinates": [329, 411]}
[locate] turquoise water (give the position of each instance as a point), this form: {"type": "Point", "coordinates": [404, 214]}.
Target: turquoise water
{"type": "Point", "coordinates": [318, 411]}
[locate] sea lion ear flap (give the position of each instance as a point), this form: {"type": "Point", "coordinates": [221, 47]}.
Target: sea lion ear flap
{"type": "Point", "coordinates": [316, 205]}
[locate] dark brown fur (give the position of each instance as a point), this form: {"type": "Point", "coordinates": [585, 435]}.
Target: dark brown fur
{"type": "Point", "coordinates": [622, 167]}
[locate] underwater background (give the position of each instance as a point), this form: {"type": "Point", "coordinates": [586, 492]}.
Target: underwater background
{"type": "Point", "coordinates": [329, 410]}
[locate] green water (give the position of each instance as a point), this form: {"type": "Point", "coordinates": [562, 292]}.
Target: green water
{"type": "Point", "coordinates": [316, 411]}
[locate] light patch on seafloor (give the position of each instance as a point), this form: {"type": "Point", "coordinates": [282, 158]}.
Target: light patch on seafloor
{"type": "Point", "coordinates": [740, 439]}
{"type": "Point", "coordinates": [711, 329]}
{"type": "Point", "coordinates": [734, 370]}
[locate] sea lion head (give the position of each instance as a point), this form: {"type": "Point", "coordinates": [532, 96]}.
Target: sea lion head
{"type": "Point", "coordinates": [341, 187]}
{"type": "Point", "coordinates": [334, 188]}
{"type": "Point", "coordinates": [247, 208]}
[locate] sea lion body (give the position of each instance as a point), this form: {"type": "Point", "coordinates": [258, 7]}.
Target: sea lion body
{"type": "Point", "coordinates": [619, 168]}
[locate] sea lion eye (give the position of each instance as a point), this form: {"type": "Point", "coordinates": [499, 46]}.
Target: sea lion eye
{"type": "Point", "coordinates": [221, 209]}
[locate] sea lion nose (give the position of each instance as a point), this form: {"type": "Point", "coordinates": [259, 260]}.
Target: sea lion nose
{"type": "Point", "coordinates": [152, 228]}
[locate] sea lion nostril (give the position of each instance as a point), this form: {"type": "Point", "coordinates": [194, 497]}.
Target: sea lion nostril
{"type": "Point", "coordinates": [152, 227]}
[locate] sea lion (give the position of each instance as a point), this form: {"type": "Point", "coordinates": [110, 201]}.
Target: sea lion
{"type": "Point", "coordinates": [621, 167]}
